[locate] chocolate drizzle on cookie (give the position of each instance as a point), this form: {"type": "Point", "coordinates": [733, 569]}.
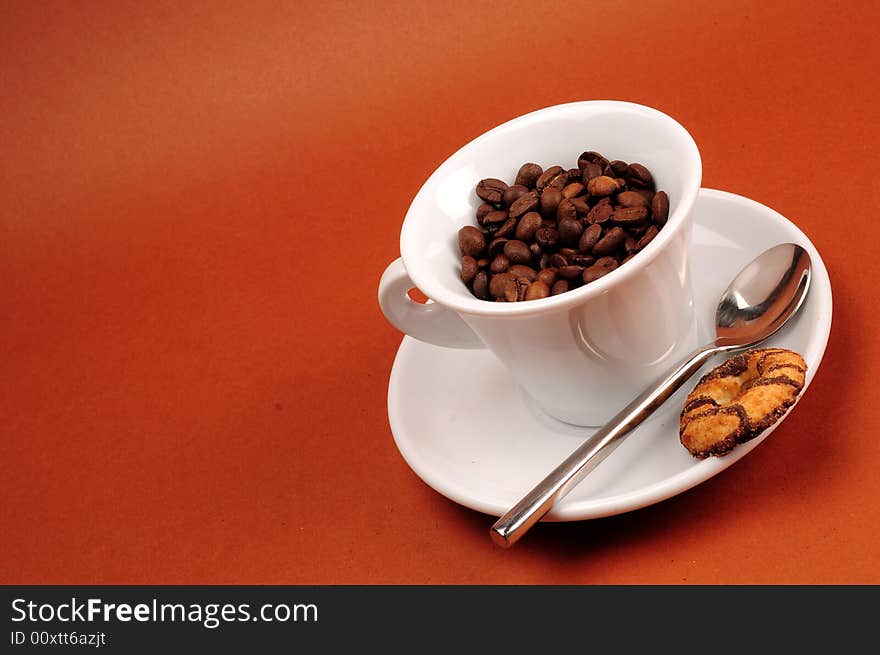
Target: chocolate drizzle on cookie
{"type": "Point", "coordinates": [739, 399]}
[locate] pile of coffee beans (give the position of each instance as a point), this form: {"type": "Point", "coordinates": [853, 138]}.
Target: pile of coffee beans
{"type": "Point", "coordinates": [556, 229]}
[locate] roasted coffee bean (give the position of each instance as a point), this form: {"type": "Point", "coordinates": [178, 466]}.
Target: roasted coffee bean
{"type": "Point", "coordinates": [525, 203]}
{"type": "Point", "coordinates": [528, 225]}
{"type": "Point", "coordinates": [590, 238]}
{"type": "Point", "coordinates": [537, 290]}
{"type": "Point", "coordinates": [660, 208]}
{"type": "Point", "coordinates": [499, 264]}
{"type": "Point", "coordinates": [618, 167]}
{"type": "Point", "coordinates": [499, 283]}
{"type": "Point", "coordinates": [602, 186]}
{"type": "Point", "coordinates": [566, 211]}
{"type": "Point", "coordinates": [481, 285]}
{"type": "Point", "coordinates": [610, 241]}
{"type": "Point", "coordinates": [630, 215]}
{"type": "Point", "coordinates": [570, 230]}
{"type": "Point", "coordinates": [571, 272]}
{"type": "Point", "coordinates": [491, 189]}
{"type": "Point", "coordinates": [507, 228]}
{"type": "Point", "coordinates": [630, 199]}
{"type": "Point", "coordinates": [484, 209]}
{"type": "Point", "coordinates": [495, 216]}
{"type": "Point", "coordinates": [520, 270]}
{"type": "Point", "coordinates": [547, 238]}
{"type": "Point", "coordinates": [603, 266]}
{"type": "Point", "coordinates": [573, 189]}
{"type": "Point", "coordinates": [512, 193]}
{"type": "Point", "coordinates": [582, 260]}
{"type": "Point", "coordinates": [496, 246]}
{"type": "Point", "coordinates": [471, 241]}
{"type": "Point", "coordinates": [640, 176]}
{"type": "Point", "coordinates": [517, 252]}
{"type": "Point", "coordinates": [522, 287]}
{"type": "Point", "coordinates": [580, 205]}
{"type": "Point", "coordinates": [601, 212]}
{"type": "Point", "coordinates": [590, 171]}
{"type": "Point", "coordinates": [550, 200]}
{"type": "Point", "coordinates": [647, 237]}
{"type": "Point", "coordinates": [558, 261]}
{"type": "Point", "coordinates": [592, 157]}
{"type": "Point", "coordinates": [547, 276]}
{"type": "Point", "coordinates": [528, 174]}
{"type": "Point", "coordinates": [469, 269]}
{"type": "Point", "coordinates": [548, 178]}
{"type": "Point", "coordinates": [553, 230]}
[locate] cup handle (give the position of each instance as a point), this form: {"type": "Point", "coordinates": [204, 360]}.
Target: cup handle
{"type": "Point", "coordinates": [431, 322]}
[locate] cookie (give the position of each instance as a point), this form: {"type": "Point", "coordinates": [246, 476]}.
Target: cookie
{"type": "Point", "coordinates": [739, 399]}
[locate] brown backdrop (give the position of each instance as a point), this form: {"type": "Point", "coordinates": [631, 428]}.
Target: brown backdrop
{"type": "Point", "coordinates": [196, 203]}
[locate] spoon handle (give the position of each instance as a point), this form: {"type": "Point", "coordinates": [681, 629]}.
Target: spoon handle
{"type": "Point", "coordinates": [534, 505]}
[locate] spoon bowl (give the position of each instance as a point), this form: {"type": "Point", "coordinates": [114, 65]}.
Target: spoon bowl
{"type": "Point", "coordinates": [760, 299]}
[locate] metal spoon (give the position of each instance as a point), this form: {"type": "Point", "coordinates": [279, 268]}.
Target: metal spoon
{"type": "Point", "coordinates": [761, 298]}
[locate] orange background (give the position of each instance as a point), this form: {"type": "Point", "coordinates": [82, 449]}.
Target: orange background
{"type": "Point", "coordinates": [197, 201]}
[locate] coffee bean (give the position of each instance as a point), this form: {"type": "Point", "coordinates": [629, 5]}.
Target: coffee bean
{"type": "Point", "coordinates": [537, 290]}
{"type": "Point", "coordinates": [660, 208]}
{"type": "Point", "coordinates": [571, 272]}
{"type": "Point", "coordinates": [522, 288]}
{"type": "Point", "coordinates": [548, 178]}
{"type": "Point", "coordinates": [630, 199]}
{"type": "Point", "coordinates": [560, 286]}
{"type": "Point", "coordinates": [618, 167]}
{"type": "Point", "coordinates": [582, 260]}
{"type": "Point", "coordinates": [536, 250]}
{"type": "Point", "coordinates": [525, 203]}
{"type": "Point", "coordinates": [498, 284]}
{"type": "Point", "coordinates": [568, 252]}
{"type": "Point", "coordinates": [517, 252]}
{"type": "Point", "coordinates": [499, 264]}
{"type": "Point", "coordinates": [550, 200]}
{"type": "Point", "coordinates": [592, 157]}
{"type": "Point", "coordinates": [590, 238]}
{"type": "Point", "coordinates": [507, 228]}
{"type": "Point", "coordinates": [580, 205]}
{"type": "Point", "coordinates": [512, 193]}
{"type": "Point", "coordinates": [558, 261]}
{"type": "Point", "coordinates": [495, 216]}
{"type": "Point", "coordinates": [484, 209]}
{"type": "Point", "coordinates": [602, 186]}
{"type": "Point", "coordinates": [483, 262]}
{"type": "Point", "coordinates": [547, 276]}
{"type": "Point", "coordinates": [547, 238]}
{"type": "Point", "coordinates": [640, 176]}
{"type": "Point", "coordinates": [566, 211]}
{"type": "Point", "coordinates": [496, 246]}
{"type": "Point", "coordinates": [469, 269]}
{"type": "Point", "coordinates": [652, 232]}
{"type": "Point", "coordinates": [601, 212]}
{"type": "Point", "coordinates": [471, 241]}
{"type": "Point", "coordinates": [481, 285]}
{"type": "Point", "coordinates": [573, 189]}
{"type": "Point", "coordinates": [520, 270]}
{"type": "Point", "coordinates": [491, 189]}
{"type": "Point", "coordinates": [630, 215]}
{"type": "Point", "coordinates": [570, 230]}
{"type": "Point", "coordinates": [527, 227]}
{"type": "Point", "coordinates": [609, 242]}
{"type": "Point", "coordinates": [629, 244]}
{"type": "Point", "coordinates": [590, 171]}
{"type": "Point", "coordinates": [528, 174]}
{"type": "Point", "coordinates": [602, 267]}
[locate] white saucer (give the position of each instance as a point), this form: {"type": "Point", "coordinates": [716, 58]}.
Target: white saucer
{"type": "Point", "coordinates": [473, 436]}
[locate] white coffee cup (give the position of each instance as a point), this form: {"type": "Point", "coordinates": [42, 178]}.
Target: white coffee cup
{"type": "Point", "coordinates": [584, 354]}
